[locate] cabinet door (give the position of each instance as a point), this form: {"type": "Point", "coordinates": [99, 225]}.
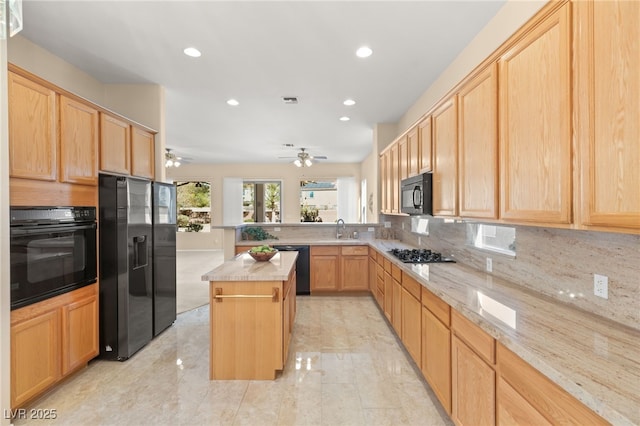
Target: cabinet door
{"type": "Point", "coordinates": [388, 295]}
{"type": "Point", "coordinates": [411, 330]}
{"type": "Point", "coordinates": [32, 130]}
{"type": "Point", "coordinates": [372, 276]}
{"type": "Point", "coordinates": [608, 105]}
{"type": "Point", "coordinates": [513, 409]}
{"type": "Point", "coordinates": [35, 356]}
{"type": "Point", "coordinates": [142, 153]}
{"type": "Point", "coordinates": [445, 159]}
{"type": "Point", "coordinates": [436, 357]}
{"type": "Point", "coordinates": [78, 142]}
{"type": "Point", "coordinates": [403, 158]}
{"type": "Point", "coordinates": [424, 140]}
{"type": "Point", "coordinates": [535, 119]}
{"type": "Point", "coordinates": [383, 183]}
{"type": "Point", "coordinates": [79, 333]}
{"type": "Point", "coordinates": [473, 387]}
{"type": "Point", "coordinates": [394, 173]}
{"type": "Point", "coordinates": [413, 144]}
{"type": "Point", "coordinates": [478, 145]}
{"type": "Point", "coordinates": [324, 270]}
{"type": "Point", "coordinates": [115, 145]}
{"type": "Point", "coordinates": [354, 272]}
{"type": "Point", "coordinates": [396, 311]}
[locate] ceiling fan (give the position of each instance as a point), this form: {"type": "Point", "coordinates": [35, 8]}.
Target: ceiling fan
{"type": "Point", "coordinates": [173, 160]}
{"type": "Point", "coordinates": [304, 159]}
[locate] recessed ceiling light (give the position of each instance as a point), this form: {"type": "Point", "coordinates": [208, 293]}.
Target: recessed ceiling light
{"type": "Point", "coordinates": [344, 118]}
{"type": "Point", "coordinates": [193, 52]}
{"type": "Point", "coordinates": [233, 102]}
{"type": "Point", "coordinates": [364, 52]}
{"type": "Point", "coordinates": [349, 102]}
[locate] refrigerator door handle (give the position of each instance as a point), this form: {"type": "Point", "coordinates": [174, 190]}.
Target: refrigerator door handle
{"type": "Point", "coordinates": [140, 258]}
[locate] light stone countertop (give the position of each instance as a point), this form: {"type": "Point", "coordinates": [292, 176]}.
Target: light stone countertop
{"type": "Point", "coordinates": [594, 359]}
{"type": "Point", "coordinates": [305, 241]}
{"type": "Point", "coordinates": [244, 268]}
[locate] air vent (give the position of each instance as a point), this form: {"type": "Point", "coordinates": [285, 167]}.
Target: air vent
{"type": "Point", "coordinates": [290, 100]}
{"type": "Point", "coordinates": [288, 145]}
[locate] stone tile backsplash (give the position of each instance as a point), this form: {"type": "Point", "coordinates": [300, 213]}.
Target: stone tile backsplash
{"type": "Point", "coordinates": [559, 263]}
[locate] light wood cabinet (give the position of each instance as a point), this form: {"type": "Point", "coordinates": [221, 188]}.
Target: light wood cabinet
{"type": "Point", "coordinates": [142, 153]}
{"type": "Point", "coordinates": [78, 142]}
{"type": "Point", "coordinates": [115, 145]}
{"type": "Point", "coordinates": [473, 377]}
{"type": "Point", "coordinates": [403, 158]}
{"type": "Point", "coordinates": [607, 103]}
{"type": "Point", "coordinates": [396, 302]}
{"type": "Point", "coordinates": [394, 173]}
{"type": "Point", "coordinates": [424, 141]}
{"type": "Point", "coordinates": [436, 347]}
{"type": "Point", "coordinates": [354, 267]}
{"type": "Point", "coordinates": [385, 183]}
{"type": "Point", "coordinates": [79, 333]}
{"type": "Point", "coordinates": [411, 315]}
{"type": "Point", "coordinates": [445, 159]}
{"type": "Point", "coordinates": [50, 340]}
{"type": "Point", "coordinates": [33, 129]}
{"type": "Point", "coordinates": [289, 314]}
{"type": "Point", "coordinates": [388, 295]}
{"type": "Point", "coordinates": [413, 142]}
{"type": "Point", "coordinates": [535, 124]}
{"type": "Point", "coordinates": [478, 145]}
{"type": "Point", "coordinates": [525, 396]}
{"type": "Point", "coordinates": [35, 356]}
{"type": "Point", "coordinates": [325, 268]}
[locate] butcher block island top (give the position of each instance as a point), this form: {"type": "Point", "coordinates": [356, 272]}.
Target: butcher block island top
{"type": "Point", "coordinates": [252, 311]}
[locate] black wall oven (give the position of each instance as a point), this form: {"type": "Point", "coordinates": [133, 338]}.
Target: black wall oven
{"type": "Point", "coordinates": [53, 251]}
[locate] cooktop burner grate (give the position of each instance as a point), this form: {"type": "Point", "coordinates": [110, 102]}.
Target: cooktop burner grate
{"type": "Point", "coordinates": [420, 256]}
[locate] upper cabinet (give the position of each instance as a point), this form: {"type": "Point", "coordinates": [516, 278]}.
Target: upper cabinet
{"type": "Point", "coordinates": [535, 124]}
{"type": "Point", "coordinates": [32, 130]}
{"type": "Point", "coordinates": [115, 144]}
{"type": "Point", "coordinates": [478, 145]}
{"type": "Point", "coordinates": [394, 173]}
{"type": "Point", "coordinates": [424, 141]}
{"type": "Point", "coordinates": [445, 159]}
{"type": "Point", "coordinates": [142, 153]}
{"type": "Point", "coordinates": [413, 144]}
{"type": "Point", "coordinates": [607, 103]}
{"type": "Point", "coordinates": [78, 142]}
{"type": "Point", "coordinates": [403, 158]}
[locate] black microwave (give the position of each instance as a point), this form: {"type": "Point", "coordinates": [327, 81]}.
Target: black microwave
{"type": "Point", "coordinates": [415, 194]}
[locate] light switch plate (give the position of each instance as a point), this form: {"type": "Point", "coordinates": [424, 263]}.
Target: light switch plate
{"type": "Point", "coordinates": [276, 229]}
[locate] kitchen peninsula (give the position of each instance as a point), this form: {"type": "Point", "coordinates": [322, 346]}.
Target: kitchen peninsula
{"type": "Point", "coordinates": [252, 311]}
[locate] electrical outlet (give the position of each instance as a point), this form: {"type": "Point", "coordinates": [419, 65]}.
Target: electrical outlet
{"type": "Point", "coordinates": [601, 286]}
{"type": "Point", "coordinates": [489, 264]}
{"type": "Point", "coordinates": [371, 229]}
{"type": "Point", "coordinates": [403, 226]}
{"type": "Point", "coordinates": [419, 241]}
{"type": "Point", "coordinates": [276, 229]}
{"type": "Point", "coordinates": [387, 224]}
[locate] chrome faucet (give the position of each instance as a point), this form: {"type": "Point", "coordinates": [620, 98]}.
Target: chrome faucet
{"type": "Point", "coordinates": [338, 234]}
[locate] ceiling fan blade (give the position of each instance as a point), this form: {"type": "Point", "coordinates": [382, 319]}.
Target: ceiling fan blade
{"type": "Point", "coordinates": [287, 157]}
{"type": "Point", "coordinates": [319, 157]}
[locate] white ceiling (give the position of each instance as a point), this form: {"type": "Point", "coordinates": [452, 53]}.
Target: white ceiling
{"type": "Point", "coordinates": [258, 52]}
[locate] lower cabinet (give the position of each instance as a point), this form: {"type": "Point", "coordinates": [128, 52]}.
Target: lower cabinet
{"type": "Point", "coordinates": [51, 339]}
{"type": "Point", "coordinates": [288, 314]}
{"type": "Point", "coordinates": [354, 264]}
{"type": "Point", "coordinates": [411, 322]}
{"type": "Point", "coordinates": [525, 396]}
{"type": "Point", "coordinates": [473, 374]}
{"type": "Point", "coordinates": [339, 268]}
{"type": "Point", "coordinates": [325, 268]}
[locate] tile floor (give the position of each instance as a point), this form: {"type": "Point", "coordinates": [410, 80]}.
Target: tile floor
{"type": "Point", "coordinates": [345, 367]}
{"type": "Point", "coordinates": [191, 291]}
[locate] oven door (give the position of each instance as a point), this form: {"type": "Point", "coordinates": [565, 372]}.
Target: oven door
{"type": "Point", "coordinates": [48, 260]}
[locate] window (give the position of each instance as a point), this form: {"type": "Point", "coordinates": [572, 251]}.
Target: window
{"type": "Point", "coordinates": [261, 201]}
{"type": "Point", "coordinates": [194, 206]}
{"type": "Point", "coordinates": [318, 201]}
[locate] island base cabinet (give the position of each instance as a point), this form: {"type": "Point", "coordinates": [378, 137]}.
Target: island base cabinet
{"type": "Point", "coordinates": [246, 330]}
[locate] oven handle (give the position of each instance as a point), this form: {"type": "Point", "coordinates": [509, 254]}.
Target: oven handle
{"type": "Point", "coordinates": [47, 229]}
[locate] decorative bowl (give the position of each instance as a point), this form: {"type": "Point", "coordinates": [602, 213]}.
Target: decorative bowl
{"type": "Point", "coordinates": [263, 256]}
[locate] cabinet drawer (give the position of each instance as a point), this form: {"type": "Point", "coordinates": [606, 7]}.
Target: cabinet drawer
{"type": "Point", "coordinates": [474, 336]}
{"type": "Point", "coordinates": [411, 285]}
{"type": "Point", "coordinates": [396, 273]}
{"type": "Point", "coordinates": [380, 258]}
{"type": "Point", "coordinates": [325, 250]}
{"type": "Point", "coordinates": [373, 254]}
{"type": "Point", "coordinates": [354, 250]}
{"type": "Point", "coordinates": [380, 271]}
{"type": "Point", "coordinates": [387, 265]}
{"type": "Point", "coordinates": [437, 306]}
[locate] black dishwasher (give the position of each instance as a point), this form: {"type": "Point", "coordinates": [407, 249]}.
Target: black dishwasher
{"type": "Point", "coordinates": [302, 267]}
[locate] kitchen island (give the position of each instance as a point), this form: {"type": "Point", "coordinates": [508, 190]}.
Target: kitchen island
{"type": "Point", "coordinates": [252, 311]}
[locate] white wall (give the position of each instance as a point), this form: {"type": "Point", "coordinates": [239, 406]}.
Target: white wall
{"type": "Point", "coordinates": [5, 348]}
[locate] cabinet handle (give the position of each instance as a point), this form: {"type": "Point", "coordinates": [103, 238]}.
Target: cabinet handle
{"type": "Point", "coordinates": [219, 296]}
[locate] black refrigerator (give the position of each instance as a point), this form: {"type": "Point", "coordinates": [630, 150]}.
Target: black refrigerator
{"type": "Point", "coordinates": [164, 256]}
{"type": "Point", "coordinates": [126, 263]}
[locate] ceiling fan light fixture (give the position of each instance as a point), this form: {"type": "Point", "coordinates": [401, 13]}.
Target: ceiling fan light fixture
{"type": "Point", "coordinates": [170, 159]}
{"type": "Point", "coordinates": [308, 162]}
{"type": "Point", "coordinates": [297, 162]}
{"type": "Point", "coordinates": [169, 163]}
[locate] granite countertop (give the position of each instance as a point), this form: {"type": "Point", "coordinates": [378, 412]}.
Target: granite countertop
{"type": "Point", "coordinates": [306, 242]}
{"type": "Point", "coordinates": [594, 359]}
{"type": "Point", "coordinates": [244, 268]}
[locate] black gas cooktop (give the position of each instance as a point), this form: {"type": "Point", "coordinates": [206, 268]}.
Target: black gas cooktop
{"type": "Point", "coordinates": [420, 256]}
